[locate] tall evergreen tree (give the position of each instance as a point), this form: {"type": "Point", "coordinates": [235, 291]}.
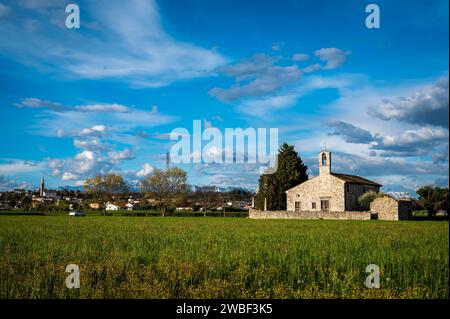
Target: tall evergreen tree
{"type": "Point", "coordinates": [290, 172]}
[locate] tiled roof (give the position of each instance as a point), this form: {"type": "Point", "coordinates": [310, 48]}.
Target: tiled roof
{"type": "Point", "coordinates": [355, 179]}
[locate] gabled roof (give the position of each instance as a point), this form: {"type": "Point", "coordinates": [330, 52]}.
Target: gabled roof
{"type": "Point", "coordinates": [355, 179]}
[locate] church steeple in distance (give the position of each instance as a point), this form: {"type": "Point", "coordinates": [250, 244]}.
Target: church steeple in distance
{"type": "Point", "coordinates": [42, 188]}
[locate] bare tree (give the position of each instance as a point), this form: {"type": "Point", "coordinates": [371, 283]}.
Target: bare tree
{"type": "Point", "coordinates": [166, 187]}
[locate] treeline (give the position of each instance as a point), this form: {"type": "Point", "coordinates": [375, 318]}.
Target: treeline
{"type": "Point", "coordinates": [164, 190]}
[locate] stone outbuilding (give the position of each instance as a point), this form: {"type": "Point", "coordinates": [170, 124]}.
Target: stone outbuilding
{"type": "Point", "coordinates": [329, 191]}
{"type": "Point", "coordinates": [388, 208]}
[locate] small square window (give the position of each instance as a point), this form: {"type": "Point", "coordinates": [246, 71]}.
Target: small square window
{"type": "Point", "coordinates": [313, 205]}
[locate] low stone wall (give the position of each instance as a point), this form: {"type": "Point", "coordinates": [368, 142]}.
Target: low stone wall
{"type": "Point", "coordinates": [284, 214]}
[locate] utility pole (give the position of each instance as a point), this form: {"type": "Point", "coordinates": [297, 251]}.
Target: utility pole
{"type": "Point", "coordinates": [167, 160]}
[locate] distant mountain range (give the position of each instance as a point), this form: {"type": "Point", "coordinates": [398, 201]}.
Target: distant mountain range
{"type": "Point", "coordinates": [70, 188]}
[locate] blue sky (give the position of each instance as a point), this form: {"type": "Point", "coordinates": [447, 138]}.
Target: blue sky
{"type": "Point", "coordinates": [77, 102]}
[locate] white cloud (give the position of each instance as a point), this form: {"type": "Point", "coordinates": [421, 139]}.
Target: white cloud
{"type": "Point", "coordinates": [268, 104]}
{"type": "Point", "coordinates": [277, 46]}
{"type": "Point", "coordinates": [117, 156]}
{"type": "Point", "coordinates": [333, 57]}
{"type": "Point", "coordinates": [128, 44]}
{"type": "Point", "coordinates": [12, 167]}
{"type": "Point", "coordinates": [103, 108]}
{"type": "Point", "coordinates": [256, 77]}
{"type": "Point", "coordinates": [412, 142]}
{"type": "Point", "coordinates": [298, 57]}
{"type": "Point", "coordinates": [146, 170]}
{"type": "Point", "coordinates": [90, 144]}
{"type": "Point", "coordinates": [68, 176]}
{"type": "Point", "coordinates": [312, 68]}
{"type": "Point", "coordinates": [428, 105]}
{"type": "Point", "coordinates": [94, 131]}
{"type": "Point", "coordinates": [37, 103]}
{"type": "Point", "coordinates": [261, 85]}
{"type": "Point", "coordinates": [83, 165]}
{"type": "Point", "coordinates": [83, 120]}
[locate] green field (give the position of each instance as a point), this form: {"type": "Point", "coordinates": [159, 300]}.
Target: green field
{"type": "Point", "coordinates": [207, 257]}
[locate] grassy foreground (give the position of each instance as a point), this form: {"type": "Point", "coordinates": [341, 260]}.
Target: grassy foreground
{"type": "Point", "coordinates": [123, 257]}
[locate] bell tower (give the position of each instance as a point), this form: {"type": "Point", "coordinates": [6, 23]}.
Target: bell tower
{"type": "Point", "coordinates": [324, 162]}
{"type": "Point", "coordinates": [42, 188]}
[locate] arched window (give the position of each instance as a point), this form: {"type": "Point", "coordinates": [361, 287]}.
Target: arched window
{"type": "Point", "coordinates": [324, 159]}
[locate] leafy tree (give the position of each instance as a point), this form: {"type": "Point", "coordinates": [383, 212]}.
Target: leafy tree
{"type": "Point", "coordinates": [26, 203]}
{"type": "Point", "coordinates": [433, 199]}
{"type": "Point", "coordinates": [94, 186]}
{"type": "Point", "coordinates": [166, 187]}
{"type": "Point", "coordinates": [290, 171]}
{"type": "Point", "coordinates": [106, 186]}
{"type": "Point", "coordinates": [114, 184]}
{"type": "Point", "coordinates": [365, 199]}
{"type": "Point", "coordinates": [63, 205]}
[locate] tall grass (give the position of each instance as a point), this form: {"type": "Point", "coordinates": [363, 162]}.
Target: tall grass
{"type": "Point", "coordinates": [180, 257]}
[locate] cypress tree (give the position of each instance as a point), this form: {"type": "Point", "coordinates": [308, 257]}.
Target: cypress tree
{"type": "Point", "coordinates": [290, 172]}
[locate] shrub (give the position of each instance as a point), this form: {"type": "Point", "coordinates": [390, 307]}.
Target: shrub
{"type": "Point", "coordinates": [365, 199]}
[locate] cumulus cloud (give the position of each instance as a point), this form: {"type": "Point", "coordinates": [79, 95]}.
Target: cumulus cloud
{"type": "Point", "coordinates": [428, 106]}
{"type": "Point", "coordinates": [94, 155]}
{"type": "Point", "coordinates": [333, 57]}
{"type": "Point", "coordinates": [117, 156]}
{"type": "Point", "coordinates": [351, 133]}
{"type": "Point", "coordinates": [255, 77]}
{"type": "Point", "coordinates": [90, 144]}
{"type": "Point", "coordinates": [83, 120]}
{"type": "Point", "coordinates": [87, 163]}
{"type": "Point", "coordinates": [94, 131]}
{"type": "Point", "coordinates": [146, 170]}
{"type": "Point", "coordinates": [412, 142]}
{"type": "Point", "coordinates": [142, 53]}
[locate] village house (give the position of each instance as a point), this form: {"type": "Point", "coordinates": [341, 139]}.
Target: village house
{"type": "Point", "coordinates": [119, 206]}
{"type": "Point", "coordinates": [94, 205]}
{"type": "Point", "coordinates": [112, 206]}
{"type": "Point", "coordinates": [329, 191]}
